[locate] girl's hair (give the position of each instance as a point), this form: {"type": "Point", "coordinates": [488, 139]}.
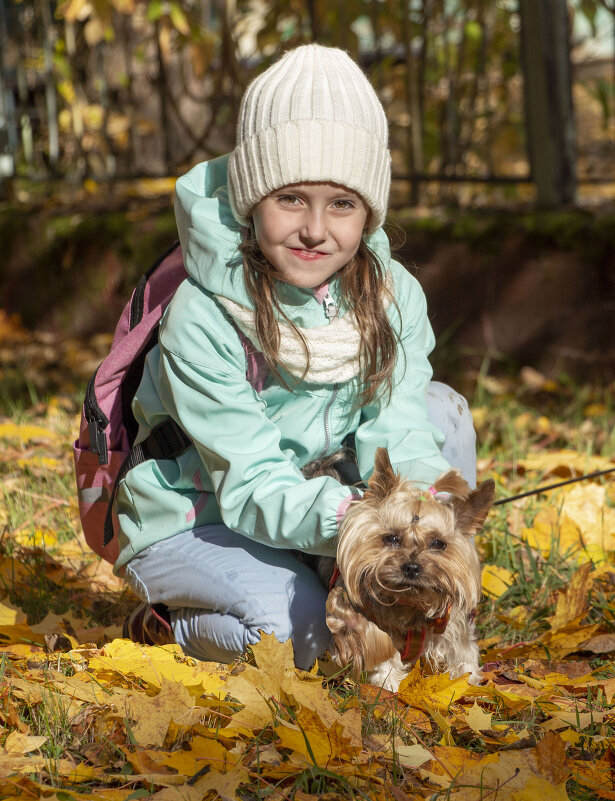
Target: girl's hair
{"type": "Point", "coordinates": [364, 291]}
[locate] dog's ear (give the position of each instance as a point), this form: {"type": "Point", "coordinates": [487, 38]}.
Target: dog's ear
{"type": "Point", "coordinates": [470, 514]}
{"type": "Point", "coordinates": [453, 482]}
{"type": "Point", "coordinates": [384, 479]}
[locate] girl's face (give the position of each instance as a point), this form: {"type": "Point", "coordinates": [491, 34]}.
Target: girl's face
{"type": "Point", "coordinates": [310, 231]}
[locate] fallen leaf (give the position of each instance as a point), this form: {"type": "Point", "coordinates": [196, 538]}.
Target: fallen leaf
{"type": "Point", "coordinates": [477, 719]}
{"type": "Point", "coordinates": [600, 644]}
{"type": "Point", "coordinates": [17, 743]}
{"type": "Point", "coordinates": [539, 788]}
{"type": "Point", "coordinates": [572, 602]}
{"type": "Point", "coordinates": [565, 463]}
{"type": "Point", "coordinates": [412, 756]}
{"type": "Point", "coordinates": [151, 716]}
{"type": "Point", "coordinates": [316, 745]}
{"type": "Point", "coordinates": [496, 580]}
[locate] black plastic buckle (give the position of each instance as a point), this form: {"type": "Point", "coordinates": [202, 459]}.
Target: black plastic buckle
{"type": "Point", "coordinates": [166, 441]}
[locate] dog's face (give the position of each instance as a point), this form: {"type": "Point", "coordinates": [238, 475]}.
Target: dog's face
{"type": "Point", "coordinates": [404, 550]}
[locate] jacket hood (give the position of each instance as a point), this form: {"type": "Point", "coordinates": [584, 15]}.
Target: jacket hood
{"type": "Point", "coordinates": [208, 232]}
{"type": "Point", "coordinates": [210, 236]}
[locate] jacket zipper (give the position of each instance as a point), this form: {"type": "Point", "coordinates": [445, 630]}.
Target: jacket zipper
{"type": "Point", "coordinates": [330, 402]}
{"type": "Point", "coordinates": [331, 310]}
{"type": "Point", "coordinates": [330, 306]}
{"type": "Point", "coordinates": [137, 302]}
{"type": "Point", "coordinates": [97, 421]}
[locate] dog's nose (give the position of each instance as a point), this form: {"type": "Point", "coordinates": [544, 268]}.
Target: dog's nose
{"type": "Point", "coordinates": [411, 569]}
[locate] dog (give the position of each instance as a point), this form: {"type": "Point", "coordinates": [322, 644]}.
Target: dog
{"type": "Point", "coordinates": [408, 575]}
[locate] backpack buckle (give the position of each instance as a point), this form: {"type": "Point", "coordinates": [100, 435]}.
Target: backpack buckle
{"type": "Point", "coordinates": [166, 441]}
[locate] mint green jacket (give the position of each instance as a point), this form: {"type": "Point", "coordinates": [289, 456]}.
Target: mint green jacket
{"type": "Point", "coordinates": [244, 467]}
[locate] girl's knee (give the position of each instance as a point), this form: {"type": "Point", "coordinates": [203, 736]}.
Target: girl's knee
{"type": "Point", "coordinates": [449, 411]}
{"type": "Point", "coordinates": [215, 637]}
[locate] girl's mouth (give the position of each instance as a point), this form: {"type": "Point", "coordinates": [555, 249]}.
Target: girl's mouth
{"type": "Point", "coordinates": [308, 255]}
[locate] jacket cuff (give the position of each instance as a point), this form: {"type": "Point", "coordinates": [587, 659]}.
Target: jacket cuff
{"type": "Point", "coordinates": [343, 507]}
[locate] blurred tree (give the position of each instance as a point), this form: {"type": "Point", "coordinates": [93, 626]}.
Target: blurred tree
{"type": "Point", "coordinates": [149, 86]}
{"type": "Point", "coordinates": [548, 98]}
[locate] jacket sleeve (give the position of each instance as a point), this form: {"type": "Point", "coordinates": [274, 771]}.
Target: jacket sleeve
{"type": "Point", "coordinates": [260, 491]}
{"type": "Point", "coordinates": [400, 424]}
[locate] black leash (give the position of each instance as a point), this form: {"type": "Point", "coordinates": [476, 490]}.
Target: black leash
{"type": "Point", "coordinates": [555, 486]}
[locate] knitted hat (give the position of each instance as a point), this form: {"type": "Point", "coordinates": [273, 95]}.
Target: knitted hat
{"type": "Point", "coordinates": [312, 116]}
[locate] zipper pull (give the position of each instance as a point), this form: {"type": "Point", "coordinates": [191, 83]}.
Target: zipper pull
{"type": "Point", "coordinates": [98, 442]}
{"type": "Point", "coordinates": [330, 306]}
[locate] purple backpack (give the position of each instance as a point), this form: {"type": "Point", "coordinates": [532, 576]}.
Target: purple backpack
{"type": "Point", "coordinates": [104, 450]}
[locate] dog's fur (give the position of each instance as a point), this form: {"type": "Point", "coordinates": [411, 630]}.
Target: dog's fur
{"type": "Point", "coordinates": [407, 562]}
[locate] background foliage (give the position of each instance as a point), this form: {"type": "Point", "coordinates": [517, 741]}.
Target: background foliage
{"type": "Point", "coordinates": [115, 88]}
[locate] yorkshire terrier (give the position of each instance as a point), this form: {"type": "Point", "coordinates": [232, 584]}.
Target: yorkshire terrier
{"type": "Point", "coordinates": [408, 576]}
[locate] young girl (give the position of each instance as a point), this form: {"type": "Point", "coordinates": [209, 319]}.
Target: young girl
{"type": "Point", "coordinates": [295, 330]}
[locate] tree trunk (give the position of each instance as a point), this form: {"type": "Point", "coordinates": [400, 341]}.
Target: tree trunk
{"type": "Point", "coordinates": [50, 87]}
{"type": "Point", "coordinates": [549, 115]}
{"type": "Point", "coordinates": [7, 150]}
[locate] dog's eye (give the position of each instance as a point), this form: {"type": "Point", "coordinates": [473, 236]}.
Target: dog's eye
{"type": "Point", "coordinates": [437, 545]}
{"type": "Point", "coordinates": [391, 540]}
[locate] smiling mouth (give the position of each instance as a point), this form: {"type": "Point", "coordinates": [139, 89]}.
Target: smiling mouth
{"type": "Point", "coordinates": [308, 254]}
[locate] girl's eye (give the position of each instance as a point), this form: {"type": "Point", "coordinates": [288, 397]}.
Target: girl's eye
{"type": "Point", "coordinates": [343, 204]}
{"type": "Point", "coordinates": [391, 540]}
{"type": "Point", "coordinates": [288, 200]}
{"type": "Point", "coordinates": [437, 545]}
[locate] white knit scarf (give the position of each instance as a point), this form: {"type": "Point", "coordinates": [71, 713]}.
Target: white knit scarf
{"type": "Point", "coordinates": [333, 348]}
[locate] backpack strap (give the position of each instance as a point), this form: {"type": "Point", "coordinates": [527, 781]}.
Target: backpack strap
{"type": "Point", "coordinates": [165, 441]}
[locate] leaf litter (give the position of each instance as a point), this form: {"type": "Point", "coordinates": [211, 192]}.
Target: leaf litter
{"type": "Point", "coordinates": [86, 714]}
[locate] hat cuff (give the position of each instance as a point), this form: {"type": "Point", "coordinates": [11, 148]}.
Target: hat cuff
{"type": "Point", "coordinates": [307, 151]}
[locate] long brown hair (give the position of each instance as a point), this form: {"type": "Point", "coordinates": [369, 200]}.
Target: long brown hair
{"type": "Point", "coordinates": [364, 291]}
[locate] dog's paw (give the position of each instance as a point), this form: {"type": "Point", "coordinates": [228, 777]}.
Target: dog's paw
{"type": "Point", "coordinates": [475, 676]}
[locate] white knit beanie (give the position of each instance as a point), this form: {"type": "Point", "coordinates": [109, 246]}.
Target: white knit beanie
{"type": "Point", "coordinates": [312, 116]}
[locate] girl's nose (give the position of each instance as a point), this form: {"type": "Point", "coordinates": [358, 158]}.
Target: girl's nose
{"type": "Point", "coordinates": [314, 227]}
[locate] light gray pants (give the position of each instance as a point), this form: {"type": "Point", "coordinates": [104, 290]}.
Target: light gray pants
{"type": "Point", "coordinates": [222, 588]}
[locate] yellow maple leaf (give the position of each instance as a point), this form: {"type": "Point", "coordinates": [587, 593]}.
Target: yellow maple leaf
{"type": "Point", "coordinates": [276, 677]}
{"type": "Point", "coordinates": [553, 531]}
{"type": "Point", "coordinates": [439, 691]}
{"type": "Point", "coordinates": [573, 600]}
{"type": "Point", "coordinates": [187, 761]}
{"type": "Point", "coordinates": [586, 507]}
{"type": "Point", "coordinates": [538, 788]}
{"type": "Point", "coordinates": [151, 716]}
{"type": "Point", "coordinates": [11, 764]}
{"type": "Point", "coordinates": [496, 580]}
{"type": "Point", "coordinates": [477, 719]}
{"type": "Point", "coordinates": [566, 640]}
{"type": "Point", "coordinates": [316, 745]}
{"type": "Point", "coordinates": [14, 627]}
{"type": "Point", "coordinates": [256, 711]}
{"type": "Point", "coordinates": [18, 743]}
{"type": "Point", "coordinates": [412, 756]}
{"type": "Point", "coordinates": [153, 664]}
{"type": "Point", "coordinates": [224, 784]}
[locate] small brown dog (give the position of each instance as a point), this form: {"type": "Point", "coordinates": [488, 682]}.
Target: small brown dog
{"type": "Point", "coordinates": [408, 576]}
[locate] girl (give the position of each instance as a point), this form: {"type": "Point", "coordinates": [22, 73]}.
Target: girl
{"type": "Point", "coordinates": [295, 330]}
